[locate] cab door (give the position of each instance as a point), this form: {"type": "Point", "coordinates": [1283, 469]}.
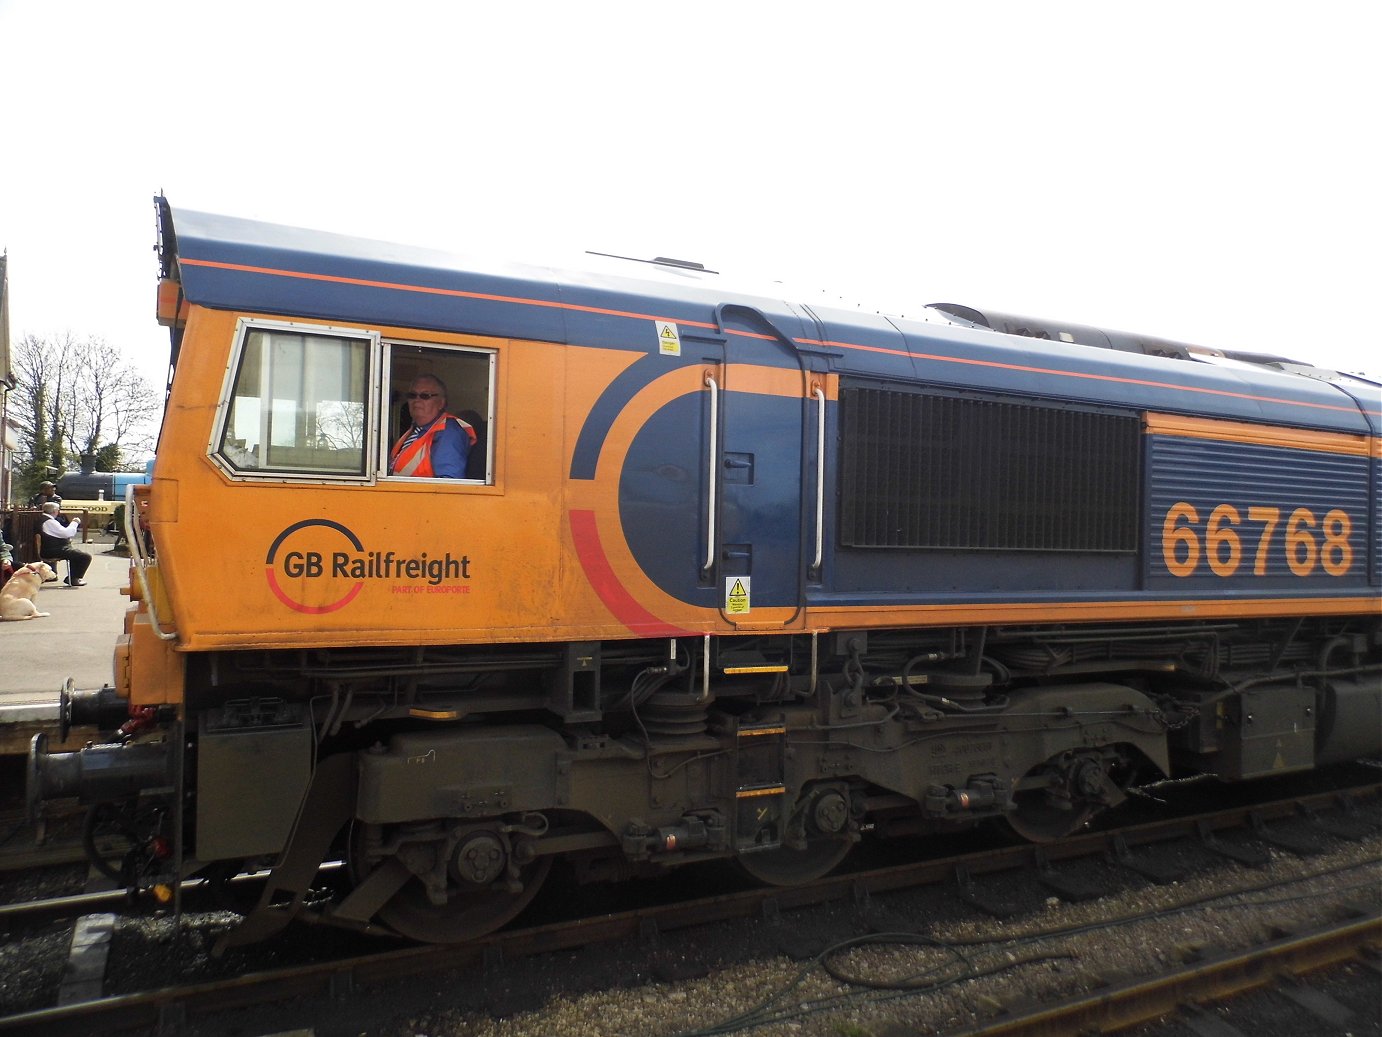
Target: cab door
{"type": "Point", "coordinates": [761, 468]}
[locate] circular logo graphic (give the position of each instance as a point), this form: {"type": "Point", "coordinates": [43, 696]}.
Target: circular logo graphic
{"type": "Point", "coordinates": [305, 554]}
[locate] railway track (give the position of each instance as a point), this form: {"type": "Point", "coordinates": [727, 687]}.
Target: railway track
{"type": "Point", "coordinates": [1217, 979]}
{"type": "Point", "coordinates": [173, 1008]}
{"type": "Point", "coordinates": [62, 845]}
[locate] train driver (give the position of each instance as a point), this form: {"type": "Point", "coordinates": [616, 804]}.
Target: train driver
{"type": "Point", "coordinates": [438, 444]}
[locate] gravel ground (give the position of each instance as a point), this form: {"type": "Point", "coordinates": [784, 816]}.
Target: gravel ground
{"type": "Point", "coordinates": [805, 999]}
{"type": "Point", "coordinates": [32, 959]}
{"type": "Point", "coordinates": [31, 968]}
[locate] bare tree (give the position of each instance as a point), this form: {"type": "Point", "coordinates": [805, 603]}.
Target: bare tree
{"type": "Point", "coordinates": [111, 402]}
{"type": "Point", "coordinates": [42, 370]}
{"type": "Point", "coordinates": [341, 424]}
{"type": "Point", "coordinates": [77, 397]}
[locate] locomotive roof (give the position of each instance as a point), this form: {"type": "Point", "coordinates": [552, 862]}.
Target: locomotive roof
{"type": "Point", "coordinates": [235, 264]}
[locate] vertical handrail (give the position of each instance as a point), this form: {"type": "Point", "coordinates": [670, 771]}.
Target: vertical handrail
{"type": "Point", "coordinates": [819, 394]}
{"type": "Point", "coordinates": [815, 659]}
{"type": "Point", "coordinates": [711, 472]}
{"type": "Point", "coordinates": [705, 671]}
{"type": "Point", "coordinates": [137, 556]}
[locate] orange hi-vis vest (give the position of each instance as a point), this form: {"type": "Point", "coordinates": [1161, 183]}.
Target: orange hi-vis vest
{"type": "Point", "coordinates": [415, 458]}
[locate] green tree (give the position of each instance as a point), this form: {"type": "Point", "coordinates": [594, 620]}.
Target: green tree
{"type": "Point", "coordinates": [109, 458]}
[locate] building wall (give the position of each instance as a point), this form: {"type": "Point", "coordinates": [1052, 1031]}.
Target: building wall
{"type": "Point", "coordinates": [8, 437]}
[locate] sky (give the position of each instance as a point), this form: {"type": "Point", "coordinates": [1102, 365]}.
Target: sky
{"type": "Point", "coordinates": [1204, 172]}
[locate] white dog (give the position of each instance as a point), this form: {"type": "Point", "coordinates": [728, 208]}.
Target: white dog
{"type": "Point", "coordinates": [17, 596]}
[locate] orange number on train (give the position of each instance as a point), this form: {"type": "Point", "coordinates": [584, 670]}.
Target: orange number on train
{"type": "Point", "coordinates": [1307, 542]}
{"type": "Point", "coordinates": [1337, 554]}
{"type": "Point", "coordinates": [1174, 535]}
{"type": "Point", "coordinates": [1301, 549]}
{"type": "Point", "coordinates": [1269, 517]}
{"type": "Point", "coordinates": [1219, 534]}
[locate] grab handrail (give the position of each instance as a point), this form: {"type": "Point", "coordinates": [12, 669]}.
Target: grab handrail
{"type": "Point", "coordinates": [711, 472]}
{"type": "Point", "coordinates": [819, 394]}
{"type": "Point", "coordinates": [140, 562]}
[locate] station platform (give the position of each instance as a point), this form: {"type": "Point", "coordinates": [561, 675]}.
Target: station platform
{"type": "Point", "coordinates": [77, 640]}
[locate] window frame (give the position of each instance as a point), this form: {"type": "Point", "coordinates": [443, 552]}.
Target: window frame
{"type": "Point", "coordinates": [244, 328]}
{"type": "Point", "coordinates": [385, 436]}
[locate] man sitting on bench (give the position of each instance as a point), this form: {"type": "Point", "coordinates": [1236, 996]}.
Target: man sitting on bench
{"type": "Point", "coordinates": [55, 544]}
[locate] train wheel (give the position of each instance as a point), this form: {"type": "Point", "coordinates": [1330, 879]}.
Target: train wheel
{"type": "Point", "coordinates": [787, 867]}
{"type": "Point", "coordinates": [821, 820]}
{"type": "Point", "coordinates": [1057, 798]}
{"type": "Point", "coordinates": [476, 886]}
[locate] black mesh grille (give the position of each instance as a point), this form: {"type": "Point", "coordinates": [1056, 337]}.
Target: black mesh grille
{"type": "Point", "coordinates": [936, 471]}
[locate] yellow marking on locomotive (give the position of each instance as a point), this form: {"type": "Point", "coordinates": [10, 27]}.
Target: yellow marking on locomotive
{"type": "Point", "coordinates": [776, 790]}
{"type": "Point", "coordinates": [669, 341]}
{"type": "Point", "coordinates": [737, 597]}
{"type": "Point", "coordinates": [756, 732]}
{"type": "Point", "coordinates": [434, 714]}
{"type": "Point", "coordinates": [755, 669]}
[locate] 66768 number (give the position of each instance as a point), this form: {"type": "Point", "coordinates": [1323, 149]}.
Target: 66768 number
{"type": "Point", "coordinates": [1226, 540]}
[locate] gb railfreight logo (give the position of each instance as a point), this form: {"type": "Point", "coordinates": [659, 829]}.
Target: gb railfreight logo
{"type": "Point", "coordinates": [318, 566]}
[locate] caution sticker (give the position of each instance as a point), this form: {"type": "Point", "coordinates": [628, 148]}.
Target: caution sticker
{"type": "Point", "coordinates": [737, 596]}
{"type": "Point", "coordinates": [668, 338]}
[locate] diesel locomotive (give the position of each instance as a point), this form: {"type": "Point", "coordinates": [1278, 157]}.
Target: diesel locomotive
{"type": "Point", "coordinates": [727, 576]}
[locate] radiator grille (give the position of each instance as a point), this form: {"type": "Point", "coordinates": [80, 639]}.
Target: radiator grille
{"type": "Point", "coordinates": [919, 470]}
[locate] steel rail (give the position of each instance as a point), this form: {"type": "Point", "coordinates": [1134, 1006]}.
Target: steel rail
{"type": "Point", "coordinates": [1146, 999]}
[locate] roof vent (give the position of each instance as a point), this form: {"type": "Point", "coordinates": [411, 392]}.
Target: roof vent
{"type": "Point", "coordinates": [680, 264]}
{"type": "Point", "coordinates": [685, 264]}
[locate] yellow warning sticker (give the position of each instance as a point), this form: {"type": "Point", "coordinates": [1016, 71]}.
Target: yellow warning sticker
{"type": "Point", "coordinates": [737, 596]}
{"type": "Point", "coordinates": [668, 338]}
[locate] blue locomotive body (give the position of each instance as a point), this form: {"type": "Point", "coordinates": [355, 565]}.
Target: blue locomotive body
{"type": "Point", "coordinates": [888, 370]}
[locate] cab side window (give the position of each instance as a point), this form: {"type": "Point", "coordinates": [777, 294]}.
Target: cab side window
{"type": "Point", "coordinates": [436, 396]}
{"type": "Point", "coordinates": [299, 403]}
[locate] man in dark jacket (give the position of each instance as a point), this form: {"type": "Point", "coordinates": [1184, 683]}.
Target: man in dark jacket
{"type": "Point", "coordinates": [46, 493]}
